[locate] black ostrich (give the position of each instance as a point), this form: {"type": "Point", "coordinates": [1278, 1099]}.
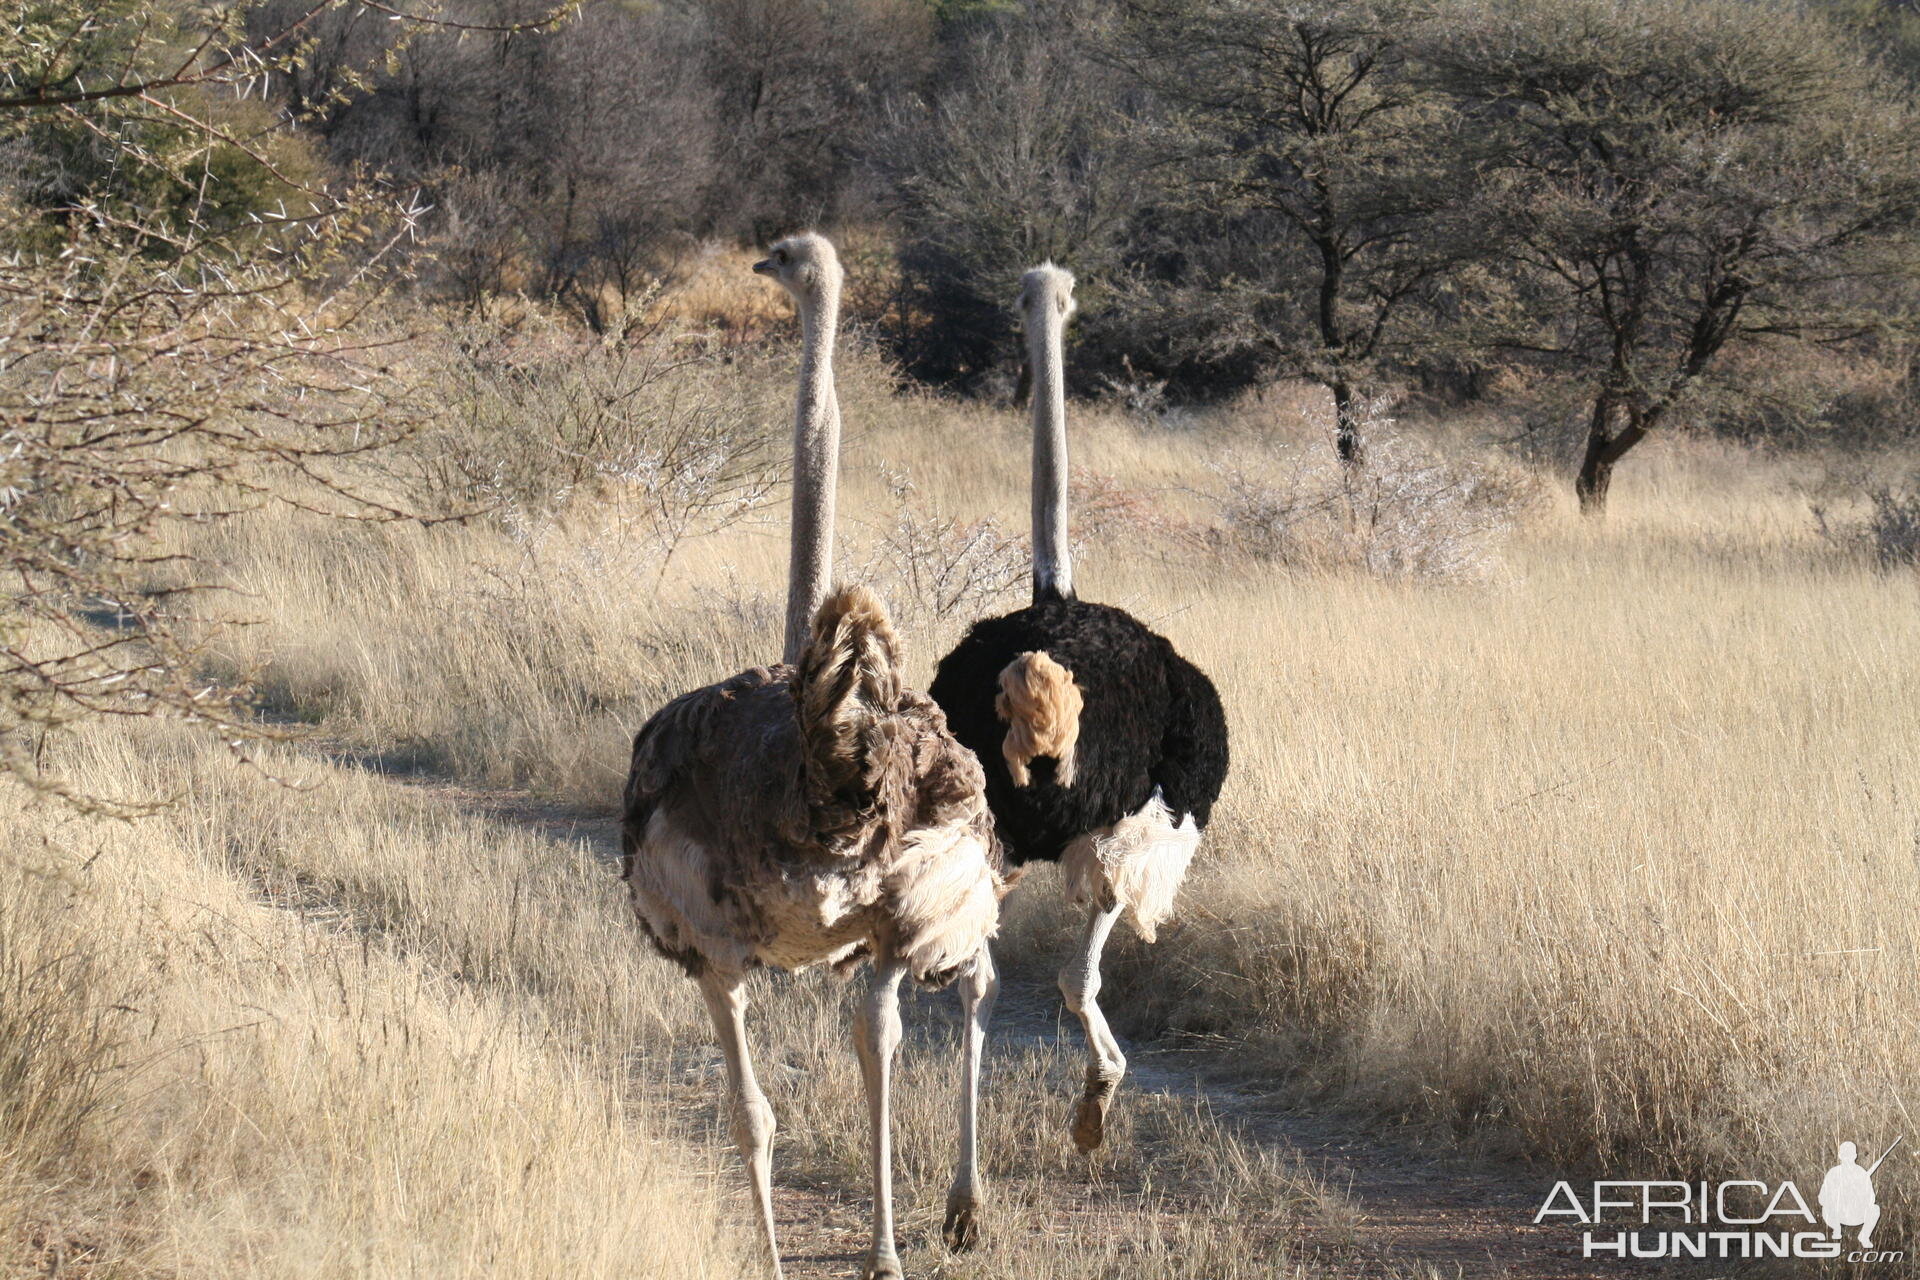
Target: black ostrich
{"type": "Point", "coordinates": [1104, 749]}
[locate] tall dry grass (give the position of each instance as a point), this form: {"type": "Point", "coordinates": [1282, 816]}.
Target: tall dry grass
{"type": "Point", "coordinates": [1602, 851]}
{"type": "Point", "coordinates": [1611, 860]}
{"type": "Point", "coordinates": [324, 1029]}
{"type": "Point", "coordinates": [1594, 828]}
{"type": "Point", "coordinates": [342, 1025]}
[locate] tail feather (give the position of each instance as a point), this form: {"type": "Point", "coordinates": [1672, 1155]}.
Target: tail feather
{"type": "Point", "coordinates": [847, 685]}
{"type": "Point", "coordinates": [1041, 706]}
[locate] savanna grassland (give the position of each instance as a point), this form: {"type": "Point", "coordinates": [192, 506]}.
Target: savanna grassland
{"type": "Point", "coordinates": [1585, 840]}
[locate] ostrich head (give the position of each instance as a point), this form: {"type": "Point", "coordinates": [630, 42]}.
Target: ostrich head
{"type": "Point", "coordinates": [1043, 287]}
{"type": "Point", "coordinates": [804, 265]}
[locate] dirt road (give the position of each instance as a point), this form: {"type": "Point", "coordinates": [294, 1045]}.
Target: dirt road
{"type": "Point", "coordinates": [1374, 1204]}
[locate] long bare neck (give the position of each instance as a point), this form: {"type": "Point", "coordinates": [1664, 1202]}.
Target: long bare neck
{"type": "Point", "coordinates": [1052, 562]}
{"type": "Point", "coordinates": [816, 467]}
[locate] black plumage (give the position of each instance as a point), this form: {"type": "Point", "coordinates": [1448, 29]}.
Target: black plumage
{"type": "Point", "coordinates": [1150, 719]}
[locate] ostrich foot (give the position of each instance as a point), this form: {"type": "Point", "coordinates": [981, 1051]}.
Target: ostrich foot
{"type": "Point", "coordinates": [961, 1230]}
{"type": "Point", "coordinates": [883, 1266]}
{"type": "Point", "coordinates": [1090, 1118]}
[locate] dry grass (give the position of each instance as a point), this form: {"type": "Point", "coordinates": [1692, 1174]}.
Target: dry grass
{"type": "Point", "coordinates": [353, 1027]}
{"type": "Point", "coordinates": [715, 290]}
{"type": "Point", "coordinates": [1610, 850]}
{"type": "Point", "coordinates": [1615, 856]}
{"type": "Point", "coordinates": [327, 1035]}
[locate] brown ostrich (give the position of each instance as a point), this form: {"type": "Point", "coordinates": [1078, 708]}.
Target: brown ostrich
{"type": "Point", "coordinates": [819, 812]}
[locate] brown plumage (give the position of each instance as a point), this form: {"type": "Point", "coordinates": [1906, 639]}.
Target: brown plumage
{"type": "Point", "coordinates": [1041, 706]}
{"type": "Point", "coordinates": [819, 812]}
{"type": "Point", "coordinates": [847, 685]}
{"type": "Point", "coordinates": [789, 816]}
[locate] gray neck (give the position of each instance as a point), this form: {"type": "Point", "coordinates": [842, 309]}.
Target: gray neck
{"type": "Point", "coordinates": [1052, 562]}
{"type": "Point", "coordinates": [816, 465]}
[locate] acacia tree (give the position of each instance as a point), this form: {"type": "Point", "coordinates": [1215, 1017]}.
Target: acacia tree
{"type": "Point", "coordinates": [1326, 175]}
{"type": "Point", "coordinates": [1676, 180]}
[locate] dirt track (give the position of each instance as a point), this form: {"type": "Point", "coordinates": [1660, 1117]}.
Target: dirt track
{"type": "Point", "coordinates": [1402, 1210]}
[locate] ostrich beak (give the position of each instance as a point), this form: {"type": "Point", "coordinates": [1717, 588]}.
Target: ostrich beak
{"type": "Point", "coordinates": [764, 267]}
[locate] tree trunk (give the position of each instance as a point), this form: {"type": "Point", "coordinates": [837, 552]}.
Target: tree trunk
{"type": "Point", "coordinates": [1596, 473]}
{"type": "Point", "coordinates": [1346, 427]}
{"type": "Point", "coordinates": [1603, 450]}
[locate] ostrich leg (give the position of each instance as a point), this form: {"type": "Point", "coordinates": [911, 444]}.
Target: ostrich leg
{"type": "Point", "coordinates": [876, 1036]}
{"type": "Point", "coordinates": [967, 1197]}
{"type": "Point", "coordinates": [1080, 984]}
{"type": "Point", "coordinates": [747, 1107]}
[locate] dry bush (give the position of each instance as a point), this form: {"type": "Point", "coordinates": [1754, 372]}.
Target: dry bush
{"type": "Point", "coordinates": [1894, 526]}
{"type": "Point", "coordinates": [1109, 514]}
{"type": "Point", "coordinates": [1889, 530]}
{"type": "Point", "coordinates": [186, 333]}
{"type": "Point", "coordinates": [533, 418]}
{"type": "Point", "coordinates": [481, 243]}
{"type": "Point", "coordinates": [136, 403]}
{"type": "Point", "coordinates": [1409, 512]}
{"type": "Point", "coordinates": [933, 567]}
{"type": "Point", "coordinates": [1140, 395]}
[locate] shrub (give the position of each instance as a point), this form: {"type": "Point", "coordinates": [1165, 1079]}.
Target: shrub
{"type": "Point", "coordinates": [1893, 527]}
{"type": "Point", "coordinates": [1407, 513]}
{"type": "Point", "coordinates": [932, 566]}
{"type": "Point", "coordinates": [535, 418]}
{"type": "Point", "coordinates": [1889, 532]}
{"type": "Point", "coordinates": [184, 336]}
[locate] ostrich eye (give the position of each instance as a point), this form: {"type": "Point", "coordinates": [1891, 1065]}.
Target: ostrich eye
{"type": "Point", "coordinates": [780, 256]}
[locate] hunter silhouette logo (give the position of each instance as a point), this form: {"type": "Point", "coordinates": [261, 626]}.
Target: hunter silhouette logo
{"type": "Point", "coordinates": [1738, 1218]}
{"type": "Point", "coordinates": [1846, 1195]}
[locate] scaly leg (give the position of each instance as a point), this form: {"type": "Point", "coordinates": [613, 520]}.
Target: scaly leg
{"type": "Point", "coordinates": [1080, 984]}
{"type": "Point", "coordinates": [876, 1036]}
{"type": "Point", "coordinates": [966, 1199]}
{"type": "Point", "coordinates": [751, 1116]}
